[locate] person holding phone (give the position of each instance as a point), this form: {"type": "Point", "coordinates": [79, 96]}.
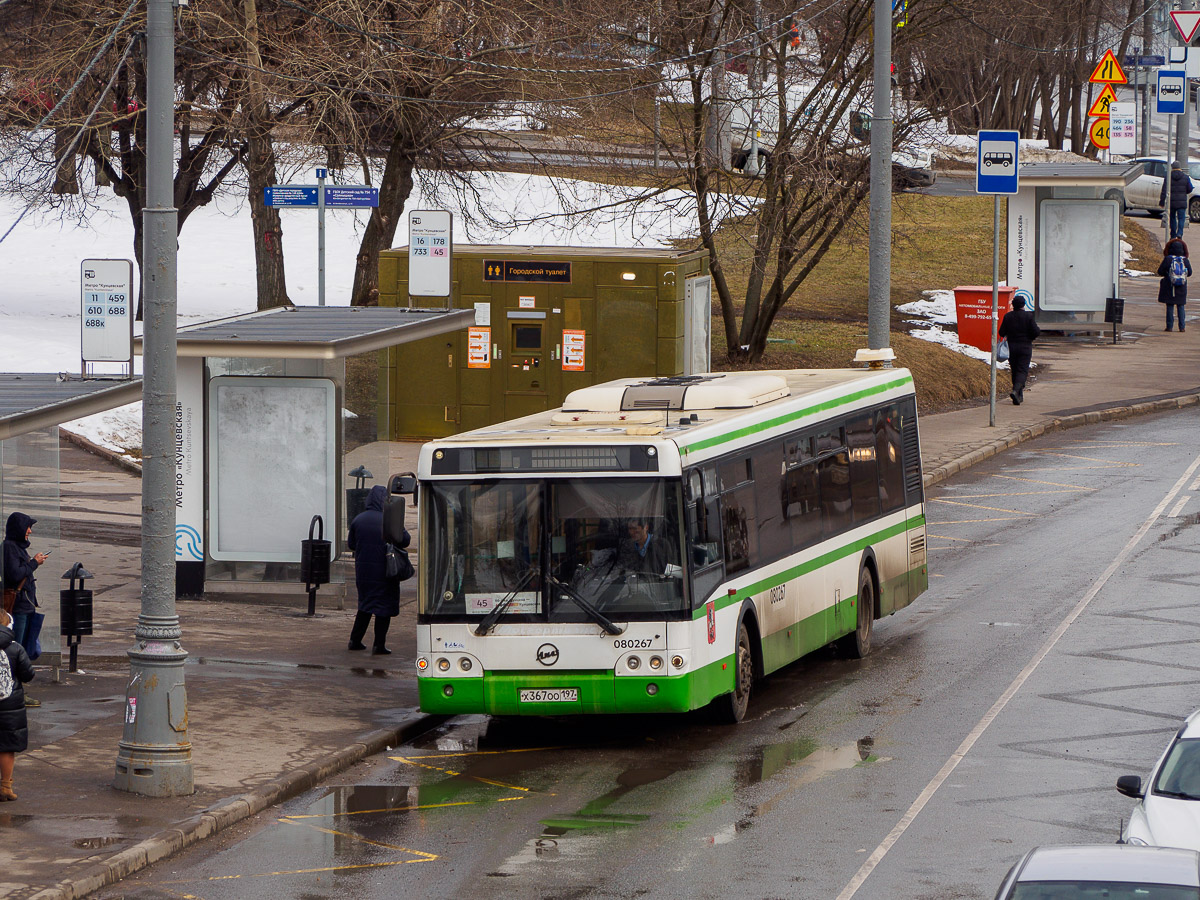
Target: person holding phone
{"type": "Point", "coordinates": [19, 567]}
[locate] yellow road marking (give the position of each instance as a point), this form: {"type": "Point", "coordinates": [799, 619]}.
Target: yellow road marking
{"type": "Point", "coordinates": [1078, 487]}
{"type": "Point", "coordinates": [474, 753]}
{"type": "Point", "coordinates": [992, 519]}
{"type": "Point", "coordinates": [980, 506]}
{"type": "Point", "coordinates": [1126, 443]}
{"type": "Point", "coordinates": [479, 778]}
{"type": "Point", "coordinates": [1108, 463]}
{"type": "Point", "coordinates": [1018, 494]}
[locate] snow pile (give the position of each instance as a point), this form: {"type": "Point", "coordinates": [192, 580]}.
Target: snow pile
{"type": "Point", "coordinates": [935, 311]}
{"type": "Point", "coordinates": [1126, 252]}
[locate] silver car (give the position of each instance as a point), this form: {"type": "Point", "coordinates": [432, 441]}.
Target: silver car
{"type": "Point", "coordinates": [1167, 813]}
{"type": "Point", "coordinates": [1111, 871]}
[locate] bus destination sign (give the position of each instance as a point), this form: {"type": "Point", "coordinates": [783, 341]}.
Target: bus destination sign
{"type": "Point", "coordinates": [507, 270]}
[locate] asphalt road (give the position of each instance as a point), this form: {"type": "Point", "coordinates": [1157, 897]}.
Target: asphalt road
{"type": "Point", "coordinates": [1054, 651]}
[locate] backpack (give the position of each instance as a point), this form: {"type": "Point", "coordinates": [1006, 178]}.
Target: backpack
{"type": "Point", "coordinates": [7, 682]}
{"type": "Point", "coordinates": [1177, 272]}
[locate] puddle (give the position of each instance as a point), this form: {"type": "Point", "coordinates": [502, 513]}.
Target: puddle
{"type": "Point", "coordinates": [287, 666]}
{"type": "Point", "coordinates": [358, 799]}
{"type": "Point", "coordinates": [95, 843]}
{"type": "Point", "coordinates": [7, 820]}
{"type": "Point", "coordinates": [1181, 523]}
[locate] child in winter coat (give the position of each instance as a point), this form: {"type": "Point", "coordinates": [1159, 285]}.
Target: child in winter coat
{"type": "Point", "coordinates": [15, 671]}
{"type": "Point", "coordinates": [1172, 290]}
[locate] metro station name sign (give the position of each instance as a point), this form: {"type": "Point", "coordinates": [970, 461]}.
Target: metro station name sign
{"type": "Point", "coordinates": [522, 270]}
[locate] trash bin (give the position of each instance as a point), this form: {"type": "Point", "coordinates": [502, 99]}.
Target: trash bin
{"type": "Point", "coordinates": [973, 309]}
{"type": "Point", "coordinates": [316, 558]}
{"type": "Point", "coordinates": [75, 611]}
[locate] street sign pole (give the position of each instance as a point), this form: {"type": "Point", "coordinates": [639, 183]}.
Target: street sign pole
{"type": "Point", "coordinates": [321, 173]}
{"type": "Point", "coordinates": [997, 163]}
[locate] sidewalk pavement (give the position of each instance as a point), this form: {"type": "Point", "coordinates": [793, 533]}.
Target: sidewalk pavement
{"type": "Point", "coordinates": [277, 703]}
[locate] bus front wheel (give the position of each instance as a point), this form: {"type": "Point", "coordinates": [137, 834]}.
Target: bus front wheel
{"type": "Point", "coordinates": [858, 643]}
{"type": "Point", "coordinates": [731, 707]}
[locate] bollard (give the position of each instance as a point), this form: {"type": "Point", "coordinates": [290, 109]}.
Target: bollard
{"type": "Point", "coordinates": [316, 556]}
{"type": "Point", "coordinates": [75, 611]}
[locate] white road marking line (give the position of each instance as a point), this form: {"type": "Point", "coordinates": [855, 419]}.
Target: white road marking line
{"type": "Point", "coordinates": [1174, 513]}
{"type": "Point", "coordinates": [1195, 485]}
{"type": "Point", "coordinates": [977, 732]}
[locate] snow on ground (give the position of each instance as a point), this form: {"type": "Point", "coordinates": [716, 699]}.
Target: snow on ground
{"type": "Point", "coordinates": [935, 311]}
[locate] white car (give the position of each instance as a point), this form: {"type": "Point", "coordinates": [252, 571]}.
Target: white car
{"type": "Point", "coordinates": [1144, 191]}
{"type": "Point", "coordinates": [1167, 813]}
{"type": "Point", "coordinates": [1095, 871]}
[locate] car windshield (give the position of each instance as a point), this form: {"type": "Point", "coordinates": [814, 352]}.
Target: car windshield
{"type": "Point", "coordinates": [1180, 772]}
{"type": "Point", "coordinates": [557, 546]}
{"type": "Point", "coordinates": [1100, 890]}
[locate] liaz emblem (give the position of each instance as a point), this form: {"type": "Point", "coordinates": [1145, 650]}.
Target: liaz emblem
{"type": "Point", "coordinates": [547, 654]}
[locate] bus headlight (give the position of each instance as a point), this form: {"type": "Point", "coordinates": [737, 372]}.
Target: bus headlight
{"type": "Point", "coordinates": [633, 662]}
{"type": "Point", "coordinates": [465, 663]}
{"type": "Point", "coordinates": [656, 662]}
{"type": "Point", "coordinates": [677, 661]}
{"type": "Point", "coordinates": [443, 664]}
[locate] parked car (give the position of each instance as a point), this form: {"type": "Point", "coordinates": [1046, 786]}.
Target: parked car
{"type": "Point", "coordinates": [1143, 192]}
{"type": "Point", "coordinates": [1167, 813]}
{"type": "Point", "coordinates": [1111, 871]}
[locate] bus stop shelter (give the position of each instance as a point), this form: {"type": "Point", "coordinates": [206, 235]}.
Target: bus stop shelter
{"type": "Point", "coordinates": [269, 408]}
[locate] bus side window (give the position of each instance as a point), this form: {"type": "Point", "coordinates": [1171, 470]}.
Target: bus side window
{"type": "Point", "coordinates": [738, 528]}
{"type": "Point", "coordinates": [890, 455]}
{"type": "Point", "coordinates": [704, 535]}
{"type": "Point", "coordinates": [802, 494]}
{"type": "Point", "coordinates": [864, 470]}
{"type": "Point", "coordinates": [834, 474]}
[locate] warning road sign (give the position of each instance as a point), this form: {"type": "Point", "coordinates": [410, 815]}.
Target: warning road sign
{"type": "Point", "coordinates": [1099, 133]}
{"type": "Point", "coordinates": [1108, 71]}
{"type": "Point", "coordinates": [1187, 21]}
{"type": "Point", "coordinates": [1103, 102]}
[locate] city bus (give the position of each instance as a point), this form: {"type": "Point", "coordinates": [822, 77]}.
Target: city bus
{"type": "Point", "coordinates": [659, 544]}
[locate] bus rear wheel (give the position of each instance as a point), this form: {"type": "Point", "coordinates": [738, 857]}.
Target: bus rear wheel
{"type": "Point", "coordinates": [731, 707]}
{"type": "Point", "coordinates": [858, 643]}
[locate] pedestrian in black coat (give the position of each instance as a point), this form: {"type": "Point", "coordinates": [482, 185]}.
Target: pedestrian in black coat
{"type": "Point", "coordinates": [1019, 327]}
{"type": "Point", "coordinates": [1180, 187]}
{"type": "Point", "coordinates": [19, 567]}
{"type": "Point", "coordinates": [15, 671]}
{"type": "Point", "coordinates": [1173, 295]}
{"type": "Point", "coordinates": [378, 595]}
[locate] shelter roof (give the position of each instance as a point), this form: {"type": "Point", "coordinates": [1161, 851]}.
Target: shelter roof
{"type": "Point", "coordinates": [315, 332]}
{"type": "Point", "coordinates": [29, 401]}
{"type": "Point", "coordinates": [1093, 174]}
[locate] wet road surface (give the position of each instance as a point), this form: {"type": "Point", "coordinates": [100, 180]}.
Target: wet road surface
{"type": "Point", "coordinates": [1054, 651]}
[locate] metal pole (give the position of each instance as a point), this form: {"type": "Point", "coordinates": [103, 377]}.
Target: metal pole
{"type": "Point", "coordinates": [321, 236]}
{"type": "Point", "coordinates": [879, 278]}
{"type": "Point", "coordinates": [154, 756]}
{"type": "Point", "coordinates": [995, 301]}
{"type": "Point", "coordinates": [1166, 212]}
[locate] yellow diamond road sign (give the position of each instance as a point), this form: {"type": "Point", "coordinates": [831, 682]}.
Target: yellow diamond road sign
{"type": "Point", "coordinates": [1107, 97]}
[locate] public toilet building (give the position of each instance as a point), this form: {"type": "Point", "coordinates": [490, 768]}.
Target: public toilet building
{"type": "Point", "coordinates": [548, 321]}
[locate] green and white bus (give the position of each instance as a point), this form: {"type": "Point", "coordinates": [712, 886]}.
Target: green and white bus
{"type": "Point", "coordinates": [658, 544]}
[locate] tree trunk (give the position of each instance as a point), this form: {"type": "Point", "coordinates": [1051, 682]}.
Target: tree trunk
{"type": "Point", "coordinates": [66, 176]}
{"type": "Point", "coordinates": [394, 191]}
{"type": "Point", "coordinates": [270, 275]}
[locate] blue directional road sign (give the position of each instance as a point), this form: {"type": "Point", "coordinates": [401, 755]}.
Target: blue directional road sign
{"type": "Point", "coordinates": [1172, 92]}
{"type": "Point", "coordinates": [351, 196]}
{"type": "Point", "coordinates": [996, 162]}
{"type": "Point", "coordinates": [290, 195]}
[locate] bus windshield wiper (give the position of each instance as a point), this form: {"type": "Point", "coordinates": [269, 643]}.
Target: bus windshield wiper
{"type": "Point", "coordinates": [594, 614]}
{"type": "Point", "coordinates": [488, 622]}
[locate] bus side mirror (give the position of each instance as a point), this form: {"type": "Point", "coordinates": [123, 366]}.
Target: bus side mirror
{"type": "Point", "coordinates": [405, 485]}
{"type": "Point", "coordinates": [393, 523]}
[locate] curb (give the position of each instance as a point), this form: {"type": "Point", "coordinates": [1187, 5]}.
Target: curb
{"type": "Point", "coordinates": [122, 462]}
{"type": "Point", "coordinates": [233, 810]}
{"type": "Point", "coordinates": [1112, 414]}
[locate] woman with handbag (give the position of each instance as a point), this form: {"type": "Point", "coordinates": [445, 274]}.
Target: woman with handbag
{"type": "Point", "coordinates": [15, 671]}
{"type": "Point", "coordinates": [378, 592]}
{"type": "Point", "coordinates": [20, 587]}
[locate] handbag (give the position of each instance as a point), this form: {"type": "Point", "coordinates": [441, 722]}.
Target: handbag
{"type": "Point", "coordinates": [1002, 350]}
{"type": "Point", "coordinates": [33, 636]}
{"type": "Point", "coordinates": [398, 565]}
{"type": "Point", "coordinates": [10, 595]}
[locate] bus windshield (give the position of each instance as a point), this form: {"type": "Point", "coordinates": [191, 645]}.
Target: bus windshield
{"type": "Point", "coordinates": [614, 543]}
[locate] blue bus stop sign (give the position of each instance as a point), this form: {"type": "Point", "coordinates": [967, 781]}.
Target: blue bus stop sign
{"type": "Point", "coordinates": [996, 162]}
{"type": "Point", "coordinates": [1172, 92]}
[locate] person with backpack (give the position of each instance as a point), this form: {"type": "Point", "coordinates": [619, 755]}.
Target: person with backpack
{"type": "Point", "coordinates": [15, 671]}
{"type": "Point", "coordinates": [1179, 186]}
{"type": "Point", "coordinates": [1020, 329]}
{"type": "Point", "coordinates": [1174, 270]}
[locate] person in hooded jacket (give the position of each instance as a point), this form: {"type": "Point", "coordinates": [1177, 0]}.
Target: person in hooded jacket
{"type": "Point", "coordinates": [1019, 327]}
{"type": "Point", "coordinates": [378, 595]}
{"type": "Point", "coordinates": [19, 567]}
{"type": "Point", "coordinates": [15, 671]}
{"type": "Point", "coordinates": [1180, 187]}
{"type": "Point", "coordinates": [1173, 295]}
